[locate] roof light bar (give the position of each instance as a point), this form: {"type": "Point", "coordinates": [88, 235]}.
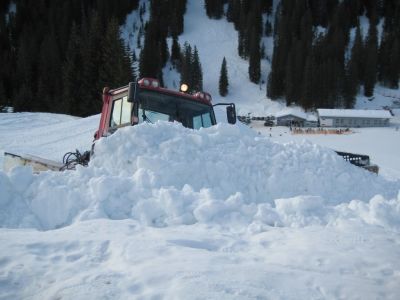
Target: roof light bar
{"type": "Point", "coordinates": [149, 82]}
{"type": "Point", "coordinates": [155, 84]}
{"type": "Point", "coordinates": [203, 96]}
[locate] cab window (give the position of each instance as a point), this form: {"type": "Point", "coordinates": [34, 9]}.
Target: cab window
{"type": "Point", "coordinates": [121, 112]}
{"type": "Point", "coordinates": [203, 120]}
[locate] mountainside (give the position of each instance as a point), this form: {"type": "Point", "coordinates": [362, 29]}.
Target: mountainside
{"type": "Point", "coordinates": [166, 212]}
{"type": "Point", "coordinates": [320, 59]}
{"type": "Point", "coordinates": [214, 39]}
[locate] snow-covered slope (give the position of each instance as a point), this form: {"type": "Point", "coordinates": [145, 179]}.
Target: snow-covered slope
{"type": "Point", "coordinates": [214, 40]}
{"type": "Point", "coordinates": [45, 135]}
{"type": "Point", "coordinates": [219, 213]}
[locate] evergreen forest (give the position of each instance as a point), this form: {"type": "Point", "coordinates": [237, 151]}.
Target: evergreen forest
{"type": "Point", "coordinates": [315, 62]}
{"type": "Point", "coordinates": [56, 56]}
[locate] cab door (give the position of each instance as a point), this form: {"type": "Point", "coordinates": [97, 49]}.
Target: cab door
{"type": "Point", "coordinates": [120, 112]}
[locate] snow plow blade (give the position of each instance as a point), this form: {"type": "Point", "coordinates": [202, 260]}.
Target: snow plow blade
{"type": "Point", "coordinates": [359, 160]}
{"type": "Point", "coordinates": [38, 164]}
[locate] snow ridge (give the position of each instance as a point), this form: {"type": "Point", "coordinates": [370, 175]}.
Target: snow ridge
{"type": "Point", "coordinates": [164, 175]}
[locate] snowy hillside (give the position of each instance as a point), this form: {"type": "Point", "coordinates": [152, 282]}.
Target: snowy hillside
{"type": "Point", "coordinates": [216, 39]}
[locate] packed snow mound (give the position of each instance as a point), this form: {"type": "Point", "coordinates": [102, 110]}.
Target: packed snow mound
{"type": "Point", "coordinates": [164, 174]}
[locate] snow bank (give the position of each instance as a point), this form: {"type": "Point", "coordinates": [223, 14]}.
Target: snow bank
{"type": "Point", "coordinates": [311, 210]}
{"type": "Point", "coordinates": [164, 174]}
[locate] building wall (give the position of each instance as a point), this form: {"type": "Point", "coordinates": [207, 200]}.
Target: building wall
{"type": "Point", "coordinates": [311, 124]}
{"type": "Point", "coordinates": [287, 120]}
{"type": "Point", "coordinates": [353, 122]}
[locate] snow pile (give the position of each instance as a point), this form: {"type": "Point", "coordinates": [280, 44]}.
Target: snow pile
{"type": "Point", "coordinates": [164, 174]}
{"type": "Point", "coordinates": [311, 210]}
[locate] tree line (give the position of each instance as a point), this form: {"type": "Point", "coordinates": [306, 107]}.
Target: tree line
{"type": "Point", "coordinates": [166, 20]}
{"type": "Point", "coordinates": [315, 62]}
{"type": "Point", "coordinates": [328, 69]}
{"type": "Point", "coordinates": [65, 52]}
{"type": "Point", "coordinates": [56, 56]}
{"type": "Point", "coordinates": [247, 17]}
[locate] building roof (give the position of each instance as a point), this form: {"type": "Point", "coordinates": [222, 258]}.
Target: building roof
{"type": "Point", "coordinates": [296, 114]}
{"type": "Point", "coordinates": [354, 113]}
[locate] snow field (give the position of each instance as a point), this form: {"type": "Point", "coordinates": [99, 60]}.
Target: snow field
{"type": "Point", "coordinates": [44, 134]}
{"type": "Point", "coordinates": [166, 175]}
{"type": "Point", "coordinates": [109, 259]}
{"type": "Point", "coordinates": [380, 144]}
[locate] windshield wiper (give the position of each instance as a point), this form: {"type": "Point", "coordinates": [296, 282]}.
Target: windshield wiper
{"type": "Point", "coordinates": [146, 118]}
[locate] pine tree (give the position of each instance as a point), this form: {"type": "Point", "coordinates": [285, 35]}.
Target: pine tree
{"type": "Point", "coordinates": [395, 66]}
{"type": "Point", "coordinates": [242, 37]}
{"type": "Point", "coordinates": [72, 75]}
{"type": "Point", "coordinates": [128, 65]}
{"type": "Point", "coordinates": [255, 59]}
{"type": "Point", "coordinates": [351, 85]}
{"type": "Point", "coordinates": [352, 74]}
{"type": "Point", "coordinates": [290, 79]}
{"type": "Point", "coordinates": [3, 96]}
{"type": "Point", "coordinates": [389, 61]}
{"type": "Point", "coordinates": [268, 28]}
{"type": "Point", "coordinates": [371, 51]}
{"type": "Point", "coordinates": [254, 30]}
{"type": "Point", "coordinates": [309, 99]}
{"type": "Point", "coordinates": [6, 61]}
{"type": "Point", "coordinates": [186, 65]}
{"type": "Point", "coordinates": [175, 51]}
{"type": "Point", "coordinates": [150, 56]}
{"type": "Point", "coordinates": [262, 51]}
{"type": "Point", "coordinates": [92, 59]}
{"type": "Point", "coordinates": [214, 8]}
{"type": "Point", "coordinates": [223, 79]}
{"type": "Point", "coordinates": [191, 71]}
{"type": "Point", "coordinates": [178, 8]}
{"type": "Point", "coordinates": [164, 53]}
{"type": "Point", "coordinates": [233, 12]}
{"type": "Point", "coordinates": [139, 38]}
{"type": "Point", "coordinates": [282, 41]}
{"type": "Point", "coordinates": [197, 73]}
{"type": "Point", "coordinates": [358, 53]}
{"type": "Point", "coordinates": [26, 73]}
{"type": "Point", "coordinates": [266, 6]}
{"type": "Point", "coordinates": [49, 84]}
{"type": "Point", "coordinates": [116, 66]}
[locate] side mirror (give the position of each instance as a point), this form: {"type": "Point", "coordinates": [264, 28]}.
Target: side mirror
{"type": "Point", "coordinates": [231, 114]}
{"type": "Point", "coordinates": [132, 91]}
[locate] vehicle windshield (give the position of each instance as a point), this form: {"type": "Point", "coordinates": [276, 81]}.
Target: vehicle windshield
{"type": "Point", "coordinates": [155, 106]}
